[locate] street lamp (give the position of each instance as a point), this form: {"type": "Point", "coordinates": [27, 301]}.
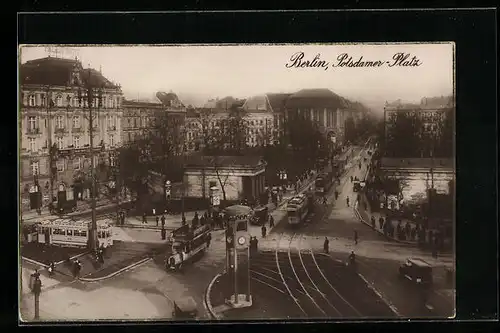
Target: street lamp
{"type": "Point", "coordinates": [36, 288]}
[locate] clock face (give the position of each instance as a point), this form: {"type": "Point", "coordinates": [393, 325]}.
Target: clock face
{"type": "Point", "coordinates": [241, 240]}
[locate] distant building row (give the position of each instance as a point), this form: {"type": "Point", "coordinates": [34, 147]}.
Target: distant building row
{"type": "Point", "coordinates": [52, 98]}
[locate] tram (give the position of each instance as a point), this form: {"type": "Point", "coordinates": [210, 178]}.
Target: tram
{"type": "Point", "coordinates": [70, 233]}
{"type": "Point", "coordinates": [323, 183]}
{"type": "Point", "coordinates": [298, 208]}
{"type": "Point", "coordinates": [186, 243]}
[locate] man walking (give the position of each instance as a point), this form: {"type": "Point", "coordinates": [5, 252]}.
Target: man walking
{"type": "Point", "coordinates": [271, 221]}
{"type": "Point", "coordinates": [264, 231]}
{"type": "Point", "coordinates": [326, 245]}
{"type": "Point", "coordinates": [157, 220]}
{"type": "Point", "coordinates": [347, 201]}
{"type": "Point", "coordinates": [144, 221]}
{"type": "Point", "coordinates": [355, 237]}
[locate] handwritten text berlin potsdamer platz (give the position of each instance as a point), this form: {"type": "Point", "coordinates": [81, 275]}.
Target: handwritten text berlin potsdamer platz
{"type": "Point", "coordinates": [400, 59]}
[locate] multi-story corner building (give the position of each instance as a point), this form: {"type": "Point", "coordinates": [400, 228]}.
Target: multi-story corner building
{"type": "Point", "coordinates": [51, 112]}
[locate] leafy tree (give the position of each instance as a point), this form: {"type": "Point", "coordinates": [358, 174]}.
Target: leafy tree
{"type": "Point", "coordinates": [404, 136]}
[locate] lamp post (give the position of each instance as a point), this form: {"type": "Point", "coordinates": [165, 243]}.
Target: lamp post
{"type": "Point", "coordinates": [90, 91]}
{"type": "Point", "coordinates": [36, 288]}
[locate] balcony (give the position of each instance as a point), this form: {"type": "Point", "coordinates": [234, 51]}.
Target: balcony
{"type": "Point", "coordinates": [76, 129]}
{"type": "Point", "coordinates": [33, 131]}
{"type": "Point", "coordinates": [60, 130]}
{"type": "Point", "coordinates": [111, 128]}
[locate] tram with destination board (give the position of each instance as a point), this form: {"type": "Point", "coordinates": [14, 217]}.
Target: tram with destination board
{"type": "Point", "coordinates": [186, 243]}
{"type": "Point", "coordinates": [69, 233]}
{"type": "Point", "coordinates": [298, 207]}
{"type": "Point", "coordinates": [323, 183]}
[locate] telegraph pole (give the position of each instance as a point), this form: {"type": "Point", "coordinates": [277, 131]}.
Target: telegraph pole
{"type": "Point", "coordinates": [89, 90]}
{"type": "Point", "coordinates": [48, 101]}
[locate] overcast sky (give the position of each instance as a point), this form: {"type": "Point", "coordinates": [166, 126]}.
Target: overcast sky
{"type": "Point", "coordinates": [202, 72]}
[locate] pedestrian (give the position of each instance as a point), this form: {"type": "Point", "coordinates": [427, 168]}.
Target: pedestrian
{"type": "Point", "coordinates": [347, 201]}
{"type": "Point", "coordinates": [163, 221]}
{"type": "Point", "coordinates": [144, 221]}
{"type": "Point", "coordinates": [271, 221]}
{"type": "Point", "coordinates": [183, 220]}
{"type": "Point", "coordinates": [326, 245]}
{"type": "Point", "coordinates": [51, 268]}
{"type": "Point", "coordinates": [196, 219]}
{"type": "Point", "coordinates": [264, 231]}
{"type": "Point", "coordinates": [413, 233]}
{"type": "Point", "coordinates": [373, 221]}
{"type": "Point", "coordinates": [157, 220]}
{"type": "Point", "coordinates": [202, 220]}
{"type": "Point", "coordinates": [381, 222]}
{"type": "Point", "coordinates": [351, 179]}
{"type": "Point", "coordinates": [336, 194]}
{"type": "Point", "coordinates": [256, 244]}
{"type": "Point", "coordinates": [209, 239]}
{"type": "Point", "coordinates": [355, 237]}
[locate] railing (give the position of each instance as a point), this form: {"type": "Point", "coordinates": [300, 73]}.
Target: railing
{"type": "Point", "coordinates": [76, 129]}
{"type": "Point", "coordinates": [59, 130]}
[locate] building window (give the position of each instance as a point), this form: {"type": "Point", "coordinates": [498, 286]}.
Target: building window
{"type": "Point", "coordinates": [59, 101]}
{"type": "Point", "coordinates": [60, 166]}
{"type": "Point", "coordinates": [60, 143]}
{"type": "Point", "coordinates": [76, 142]}
{"type": "Point", "coordinates": [129, 137]}
{"type": "Point", "coordinates": [77, 163]}
{"type": "Point", "coordinates": [35, 168]}
{"type": "Point", "coordinates": [112, 161]}
{"type": "Point", "coordinates": [43, 99]}
{"type": "Point", "coordinates": [74, 101]}
{"type": "Point", "coordinates": [60, 122]}
{"type": "Point", "coordinates": [31, 123]}
{"type": "Point", "coordinates": [32, 143]}
{"type": "Point", "coordinates": [76, 122]}
{"type": "Point", "coordinates": [104, 101]}
{"type": "Point", "coordinates": [112, 140]}
{"type": "Point", "coordinates": [31, 100]}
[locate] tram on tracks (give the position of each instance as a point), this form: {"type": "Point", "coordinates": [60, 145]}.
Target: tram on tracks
{"type": "Point", "coordinates": [186, 243]}
{"type": "Point", "coordinates": [323, 183]}
{"type": "Point", "coordinates": [298, 207]}
{"type": "Point", "coordinates": [69, 233]}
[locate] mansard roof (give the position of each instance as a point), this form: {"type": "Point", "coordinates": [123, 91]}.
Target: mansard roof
{"type": "Point", "coordinates": [58, 72]}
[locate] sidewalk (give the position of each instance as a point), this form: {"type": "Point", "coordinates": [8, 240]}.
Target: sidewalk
{"type": "Point", "coordinates": [410, 238]}
{"type": "Point", "coordinates": [82, 210]}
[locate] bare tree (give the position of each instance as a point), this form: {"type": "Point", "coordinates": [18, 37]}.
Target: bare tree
{"type": "Point", "coordinates": [216, 164]}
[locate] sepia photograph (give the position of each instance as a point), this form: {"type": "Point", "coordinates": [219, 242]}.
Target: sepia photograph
{"type": "Point", "coordinates": [236, 182]}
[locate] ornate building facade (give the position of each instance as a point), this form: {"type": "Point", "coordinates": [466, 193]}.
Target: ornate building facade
{"type": "Point", "coordinates": [54, 112]}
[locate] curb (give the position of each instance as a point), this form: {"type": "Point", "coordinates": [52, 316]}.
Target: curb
{"type": "Point", "coordinates": [140, 262]}
{"type": "Point", "coordinates": [208, 303]}
{"type": "Point", "coordinates": [358, 215]}
{"type": "Point", "coordinates": [379, 294]}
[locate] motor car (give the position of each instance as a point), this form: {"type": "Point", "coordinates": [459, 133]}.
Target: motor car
{"type": "Point", "coordinates": [417, 271]}
{"type": "Point", "coordinates": [260, 215]}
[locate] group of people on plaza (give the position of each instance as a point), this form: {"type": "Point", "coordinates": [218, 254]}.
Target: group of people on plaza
{"type": "Point", "coordinates": [406, 231]}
